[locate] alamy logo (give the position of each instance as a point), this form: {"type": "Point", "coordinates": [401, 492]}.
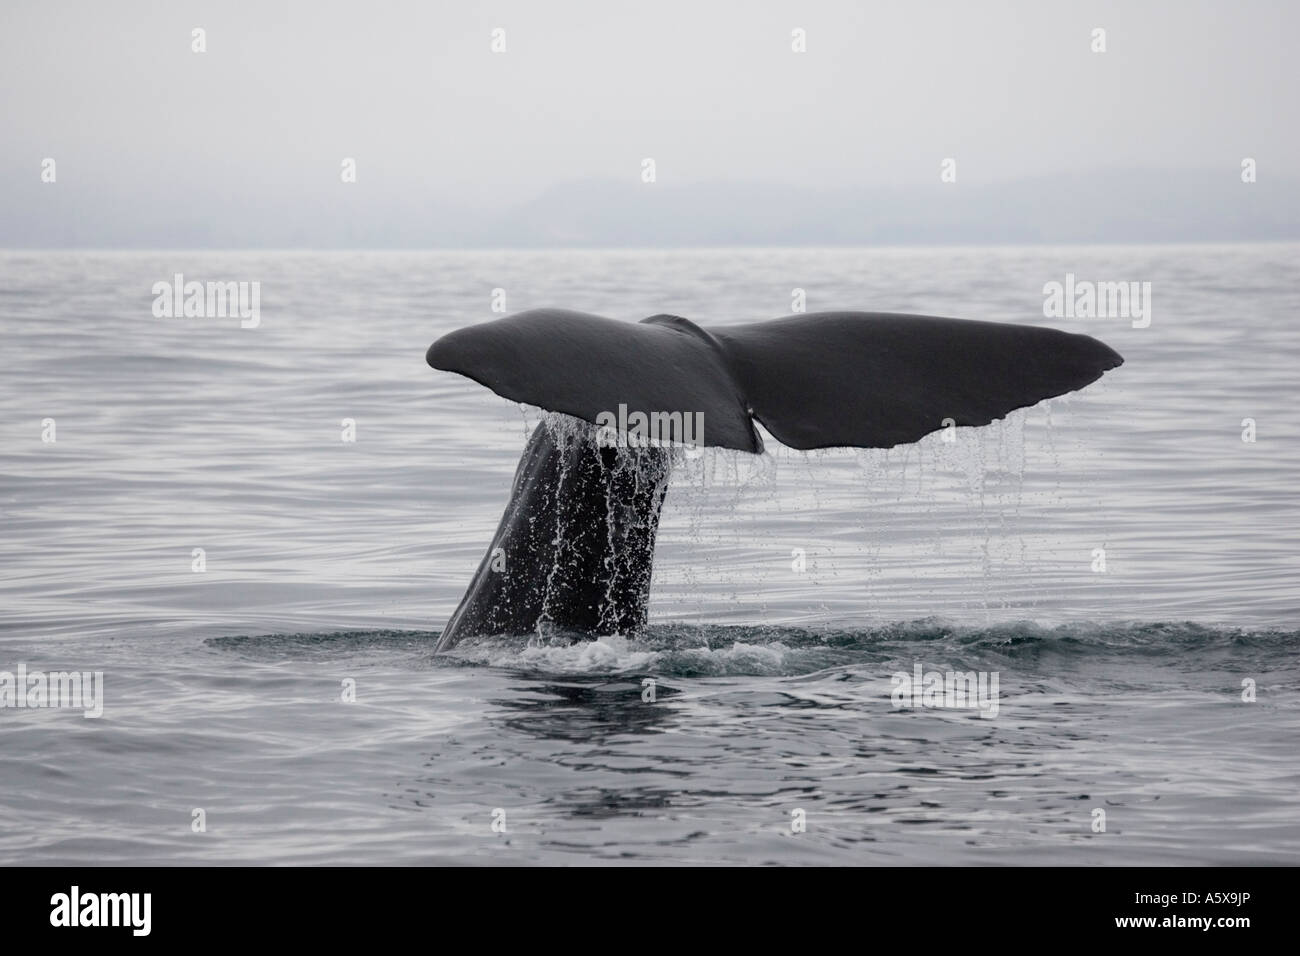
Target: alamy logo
{"type": "Point", "coordinates": [1084, 299]}
{"type": "Point", "coordinates": [208, 300]}
{"type": "Point", "coordinates": [923, 688]}
{"type": "Point", "coordinates": [76, 689]}
{"type": "Point", "coordinates": [102, 909]}
{"type": "Point", "coordinates": [637, 429]}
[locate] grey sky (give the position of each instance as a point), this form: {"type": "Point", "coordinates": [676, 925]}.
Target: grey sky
{"type": "Point", "coordinates": [145, 131]}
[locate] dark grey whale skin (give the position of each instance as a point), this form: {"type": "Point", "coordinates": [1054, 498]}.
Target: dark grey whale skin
{"type": "Point", "coordinates": [575, 547]}
{"type": "Point", "coordinates": [578, 534]}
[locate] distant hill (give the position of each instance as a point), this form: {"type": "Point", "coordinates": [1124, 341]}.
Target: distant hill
{"type": "Point", "coordinates": [1114, 206]}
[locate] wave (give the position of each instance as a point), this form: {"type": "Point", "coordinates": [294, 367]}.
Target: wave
{"type": "Point", "coordinates": [682, 650]}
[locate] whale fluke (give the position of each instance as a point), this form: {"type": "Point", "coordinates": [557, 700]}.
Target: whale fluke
{"type": "Point", "coordinates": [582, 365]}
{"type": "Point", "coordinates": [575, 546]}
{"type": "Point", "coordinates": [822, 380]}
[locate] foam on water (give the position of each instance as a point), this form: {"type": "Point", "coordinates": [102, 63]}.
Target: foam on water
{"type": "Point", "coordinates": [679, 650]}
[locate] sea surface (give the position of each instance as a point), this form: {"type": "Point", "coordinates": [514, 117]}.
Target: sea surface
{"type": "Point", "coordinates": [1122, 560]}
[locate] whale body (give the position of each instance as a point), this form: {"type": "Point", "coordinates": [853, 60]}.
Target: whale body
{"type": "Point", "coordinates": [575, 547]}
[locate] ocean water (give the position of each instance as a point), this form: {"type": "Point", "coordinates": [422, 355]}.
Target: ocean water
{"type": "Point", "coordinates": [788, 588]}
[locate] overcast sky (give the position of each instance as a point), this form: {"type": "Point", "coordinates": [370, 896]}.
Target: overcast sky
{"type": "Point", "coordinates": [585, 90]}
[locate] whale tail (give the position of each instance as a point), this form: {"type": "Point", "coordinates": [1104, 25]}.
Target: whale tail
{"type": "Point", "coordinates": [575, 547]}
{"type": "Point", "coordinates": [822, 380]}
{"type": "Point", "coordinates": [576, 543]}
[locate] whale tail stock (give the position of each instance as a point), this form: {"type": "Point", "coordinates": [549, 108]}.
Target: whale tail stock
{"type": "Point", "coordinates": [575, 547]}
{"type": "Point", "coordinates": [821, 380]}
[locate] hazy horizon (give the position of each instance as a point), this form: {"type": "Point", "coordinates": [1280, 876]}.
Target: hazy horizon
{"type": "Point", "coordinates": [243, 145]}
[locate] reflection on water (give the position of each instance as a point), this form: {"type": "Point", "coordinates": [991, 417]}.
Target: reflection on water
{"type": "Point", "coordinates": [589, 710]}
